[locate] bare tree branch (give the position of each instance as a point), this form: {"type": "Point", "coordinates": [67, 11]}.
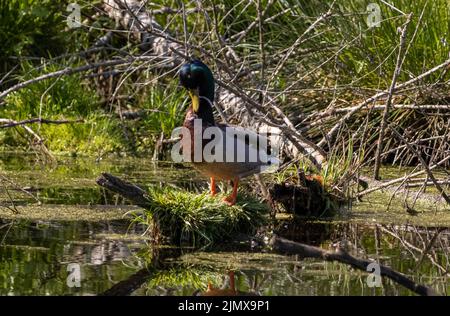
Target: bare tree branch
{"type": "Point", "coordinates": [12, 123]}
{"type": "Point", "coordinates": [335, 129]}
{"type": "Point", "coordinates": [398, 68]}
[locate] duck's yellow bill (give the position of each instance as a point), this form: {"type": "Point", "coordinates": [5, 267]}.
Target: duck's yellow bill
{"type": "Point", "coordinates": [195, 99]}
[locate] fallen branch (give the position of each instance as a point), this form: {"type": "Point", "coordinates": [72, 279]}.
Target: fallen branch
{"type": "Point", "coordinates": [169, 10]}
{"type": "Point", "coordinates": [62, 72]}
{"type": "Point", "coordinates": [28, 130]}
{"type": "Point", "coordinates": [380, 107]}
{"type": "Point", "coordinates": [284, 246]}
{"type": "Point", "coordinates": [12, 123]}
{"type": "Point", "coordinates": [128, 190]}
{"type": "Point", "coordinates": [428, 183]}
{"type": "Point", "coordinates": [73, 70]}
{"type": "Point", "coordinates": [319, 119]}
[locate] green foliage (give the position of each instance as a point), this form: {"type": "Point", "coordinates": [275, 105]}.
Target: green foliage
{"type": "Point", "coordinates": [356, 53]}
{"type": "Point", "coordinates": [372, 55]}
{"type": "Point", "coordinates": [165, 108]}
{"type": "Point", "coordinates": [67, 95]}
{"type": "Point", "coordinates": [30, 28]}
{"type": "Point", "coordinates": [67, 98]}
{"type": "Point", "coordinates": [98, 135]}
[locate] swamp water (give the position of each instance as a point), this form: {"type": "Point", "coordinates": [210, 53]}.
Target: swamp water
{"type": "Point", "coordinates": [64, 218]}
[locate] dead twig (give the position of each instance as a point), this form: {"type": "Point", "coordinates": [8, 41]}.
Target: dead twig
{"type": "Point", "coordinates": [12, 123]}
{"type": "Point", "coordinates": [382, 185]}
{"type": "Point", "coordinates": [398, 67]}
{"type": "Point", "coordinates": [329, 137]}
{"type": "Point", "coordinates": [422, 161]}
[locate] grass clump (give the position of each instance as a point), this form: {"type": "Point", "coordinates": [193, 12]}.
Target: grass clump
{"type": "Point", "coordinates": [164, 106]}
{"type": "Point", "coordinates": [200, 219]}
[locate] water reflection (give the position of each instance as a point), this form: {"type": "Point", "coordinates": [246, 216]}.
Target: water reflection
{"type": "Point", "coordinates": [269, 274]}
{"type": "Point", "coordinates": [34, 256]}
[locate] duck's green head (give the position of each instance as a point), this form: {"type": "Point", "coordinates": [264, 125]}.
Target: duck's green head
{"type": "Point", "coordinates": [198, 79]}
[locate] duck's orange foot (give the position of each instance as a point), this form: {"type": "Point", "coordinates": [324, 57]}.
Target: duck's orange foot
{"type": "Point", "coordinates": [213, 187]}
{"type": "Point", "coordinates": [230, 200]}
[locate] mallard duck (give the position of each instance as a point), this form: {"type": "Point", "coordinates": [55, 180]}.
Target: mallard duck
{"type": "Point", "coordinates": [243, 151]}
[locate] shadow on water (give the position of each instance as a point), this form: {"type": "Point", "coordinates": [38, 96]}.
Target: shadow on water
{"type": "Point", "coordinates": [35, 254]}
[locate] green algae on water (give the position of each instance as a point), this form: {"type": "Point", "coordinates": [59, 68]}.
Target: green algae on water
{"type": "Point", "coordinates": [67, 212]}
{"type": "Point", "coordinates": [374, 209]}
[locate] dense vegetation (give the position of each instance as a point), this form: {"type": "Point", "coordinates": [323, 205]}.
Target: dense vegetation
{"type": "Point", "coordinates": [342, 61]}
{"type": "Point", "coordinates": [317, 61]}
